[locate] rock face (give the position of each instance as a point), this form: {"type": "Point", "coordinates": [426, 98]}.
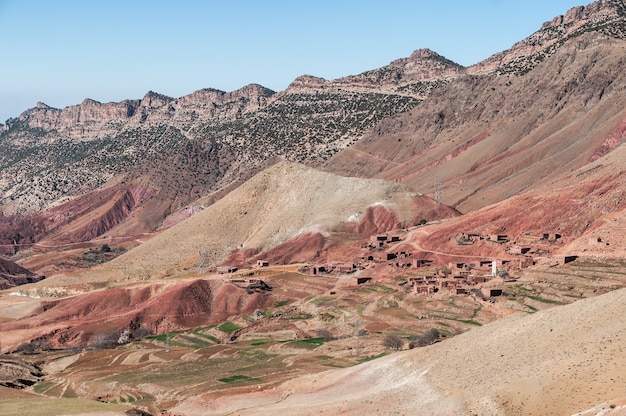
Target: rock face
{"type": "Point", "coordinates": [414, 76]}
{"type": "Point", "coordinates": [18, 374]}
{"type": "Point", "coordinates": [603, 16]}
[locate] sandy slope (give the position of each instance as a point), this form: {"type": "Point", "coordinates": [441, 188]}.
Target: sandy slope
{"type": "Point", "coordinates": [555, 362]}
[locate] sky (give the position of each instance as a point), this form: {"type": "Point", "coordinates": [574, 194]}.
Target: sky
{"type": "Point", "coordinates": [62, 51]}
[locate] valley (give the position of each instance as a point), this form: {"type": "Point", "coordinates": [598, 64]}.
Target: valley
{"type": "Point", "coordinates": [418, 236]}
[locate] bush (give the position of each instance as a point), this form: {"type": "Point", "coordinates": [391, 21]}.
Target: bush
{"type": "Point", "coordinates": [34, 347]}
{"type": "Point", "coordinates": [325, 334]}
{"type": "Point", "coordinates": [393, 341]}
{"type": "Point", "coordinates": [428, 338]}
{"type": "Point", "coordinates": [101, 342]}
{"type": "Point", "coordinates": [141, 332]}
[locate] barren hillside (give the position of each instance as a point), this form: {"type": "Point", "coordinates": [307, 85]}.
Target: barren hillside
{"type": "Point", "coordinates": [491, 137]}
{"type": "Point", "coordinates": [275, 205]}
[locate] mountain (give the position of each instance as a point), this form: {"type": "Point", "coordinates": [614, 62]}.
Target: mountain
{"type": "Point", "coordinates": [489, 137]}
{"type": "Point", "coordinates": [267, 236]}
{"type": "Point", "coordinates": [285, 201]}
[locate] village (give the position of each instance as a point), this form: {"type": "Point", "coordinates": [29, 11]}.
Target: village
{"type": "Point", "coordinates": [484, 278]}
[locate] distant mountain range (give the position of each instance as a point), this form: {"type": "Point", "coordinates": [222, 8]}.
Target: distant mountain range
{"type": "Point", "coordinates": [522, 118]}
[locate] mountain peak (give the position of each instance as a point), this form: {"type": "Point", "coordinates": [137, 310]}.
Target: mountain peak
{"type": "Point", "coordinates": [604, 17]}
{"type": "Point", "coordinates": [427, 54]}
{"type": "Point", "coordinates": [42, 105]}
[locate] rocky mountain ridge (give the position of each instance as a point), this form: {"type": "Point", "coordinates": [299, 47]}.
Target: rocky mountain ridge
{"type": "Point", "coordinates": [603, 16]}
{"type": "Point", "coordinates": [421, 116]}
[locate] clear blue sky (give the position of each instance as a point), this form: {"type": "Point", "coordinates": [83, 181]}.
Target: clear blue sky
{"type": "Point", "coordinates": [63, 51]}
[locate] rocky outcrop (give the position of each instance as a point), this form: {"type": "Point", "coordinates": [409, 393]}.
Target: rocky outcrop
{"type": "Point", "coordinates": [415, 76]}
{"type": "Point", "coordinates": [12, 274]}
{"type": "Point", "coordinates": [89, 111]}
{"type": "Point", "coordinates": [15, 373]}
{"type": "Point", "coordinates": [606, 17]}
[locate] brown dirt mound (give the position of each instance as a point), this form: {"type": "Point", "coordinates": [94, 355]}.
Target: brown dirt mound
{"type": "Point", "coordinates": [160, 307]}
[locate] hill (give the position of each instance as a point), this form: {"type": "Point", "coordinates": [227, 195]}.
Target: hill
{"type": "Point", "coordinates": [282, 202]}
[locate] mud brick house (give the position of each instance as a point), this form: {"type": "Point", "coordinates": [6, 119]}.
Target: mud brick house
{"type": "Point", "coordinates": [317, 270]}
{"type": "Point", "coordinates": [363, 280]}
{"type": "Point", "coordinates": [569, 259]}
{"type": "Point", "coordinates": [226, 269]}
{"type": "Point", "coordinates": [490, 292]}
{"type": "Point", "coordinates": [384, 256]}
{"type": "Point", "coordinates": [519, 250]}
{"type": "Point", "coordinates": [476, 279]}
{"type": "Point", "coordinates": [432, 279]}
{"type": "Point", "coordinates": [262, 263]}
{"type": "Point", "coordinates": [425, 289]}
{"type": "Point", "coordinates": [498, 238]}
{"type": "Point", "coordinates": [485, 263]}
{"type": "Point", "coordinates": [378, 240]}
{"type": "Point", "coordinates": [381, 240]}
{"type": "Point", "coordinates": [422, 263]}
{"type": "Point", "coordinates": [343, 267]}
{"type": "Point", "coordinates": [460, 266]}
{"type": "Point", "coordinates": [550, 236]}
{"type": "Point", "coordinates": [526, 262]}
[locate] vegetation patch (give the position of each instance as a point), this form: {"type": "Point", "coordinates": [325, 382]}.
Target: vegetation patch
{"type": "Point", "coordinates": [237, 379]}
{"type": "Point", "coordinates": [371, 357]}
{"type": "Point", "coordinates": [229, 327]}
{"type": "Point", "coordinates": [208, 336]}
{"type": "Point", "coordinates": [255, 352]}
{"type": "Point", "coordinates": [309, 343]}
{"type": "Point", "coordinates": [296, 316]}
{"type": "Point", "coordinates": [544, 300]}
{"type": "Point", "coordinates": [281, 303]}
{"type": "Point", "coordinates": [43, 386]}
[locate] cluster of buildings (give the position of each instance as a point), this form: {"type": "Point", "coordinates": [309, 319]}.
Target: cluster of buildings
{"type": "Point", "coordinates": [459, 278]}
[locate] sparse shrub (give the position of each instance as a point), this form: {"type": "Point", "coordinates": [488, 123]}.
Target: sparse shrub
{"type": "Point", "coordinates": [428, 338]}
{"type": "Point", "coordinates": [124, 337]}
{"type": "Point", "coordinates": [393, 342]}
{"type": "Point", "coordinates": [102, 342]}
{"type": "Point", "coordinates": [326, 335]}
{"type": "Point", "coordinates": [142, 332]}
{"type": "Point", "coordinates": [34, 346]}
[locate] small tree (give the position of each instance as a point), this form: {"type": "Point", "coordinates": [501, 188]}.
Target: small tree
{"type": "Point", "coordinates": [105, 248]}
{"type": "Point", "coordinates": [428, 338]}
{"type": "Point", "coordinates": [105, 341]}
{"type": "Point", "coordinates": [393, 341]}
{"type": "Point", "coordinates": [326, 334]}
{"type": "Point", "coordinates": [141, 332]}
